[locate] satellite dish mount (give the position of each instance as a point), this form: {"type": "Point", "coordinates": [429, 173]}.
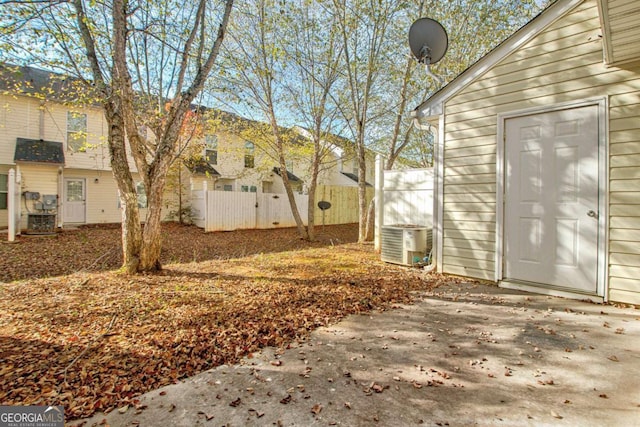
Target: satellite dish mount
{"type": "Point", "coordinates": [428, 42]}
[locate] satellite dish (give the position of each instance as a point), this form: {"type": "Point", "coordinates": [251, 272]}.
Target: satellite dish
{"type": "Point", "coordinates": [324, 205]}
{"type": "Point", "coordinates": [428, 41]}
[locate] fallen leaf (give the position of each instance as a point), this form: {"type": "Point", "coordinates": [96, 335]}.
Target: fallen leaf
{"type": "Point", "coordinates": [613, 358]}
{"type": "Point", "coordinates": [235, 403]}
{"type": "Point", "coordinates": [286, 400]}
{"type": "Point", "coordinates": [123, 409]}
{"type": "Point", "coordinates": [172, 407]}
{"type": "Point", "coordinates": [317, 408]}
{"type": "Point", "coordinates": [556, 415]}
{"type": "Point", "coordinates": [159, 309]}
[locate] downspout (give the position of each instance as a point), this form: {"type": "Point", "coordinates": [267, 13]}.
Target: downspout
{"type": "Point", "coordinates": [435, 244]}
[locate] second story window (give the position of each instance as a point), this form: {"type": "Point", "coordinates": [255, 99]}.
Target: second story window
{"type": "Point", "coordinates": [249, 150]}
{"type": "Point", "coordinates": [211, 149]}
{"type": "Point", "coordinates": [76, 131]}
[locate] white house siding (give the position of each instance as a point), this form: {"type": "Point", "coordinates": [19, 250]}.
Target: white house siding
{"type": "Point", "coordinates": [563, 63]}
{"type": "Point", "coordinates": [96, 155]}
{"type": "Point", "coordinates": [101, 195]}
{"type": "Point", "coordinates": [20, 118]}
{"type": "Point", "coordinates": [40, 178]}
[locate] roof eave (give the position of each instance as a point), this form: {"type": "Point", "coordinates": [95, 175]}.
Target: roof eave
{"type": "Point", "coordinates": [433, 106]}
{"type": "Point", "coordinates": [607, 47]}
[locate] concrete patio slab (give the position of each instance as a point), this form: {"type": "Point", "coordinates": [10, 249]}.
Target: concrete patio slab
{"type": "Point", "coordinates": [464, 354]}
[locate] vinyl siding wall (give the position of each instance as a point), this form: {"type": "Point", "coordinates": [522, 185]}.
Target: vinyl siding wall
{"type": "Point", "coordinates": [563, 63]}
{"type": "Point", "coordinates": [625, 31]}
{"type": "Point", "coordinates": [624, 195]}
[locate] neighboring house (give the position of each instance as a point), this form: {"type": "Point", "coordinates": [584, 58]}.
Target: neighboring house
{"type": "Point", "coordinates": [229, 162]}
{"type": "Point", "coordinates": [538, 156]}
{"type": "Point", "coordinates": [61, 152]}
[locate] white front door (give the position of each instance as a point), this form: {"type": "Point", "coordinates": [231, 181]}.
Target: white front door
{"type": "Point", "coordinates": [551, 199]}
{"type": "Point", "coordinates": [74, 200]}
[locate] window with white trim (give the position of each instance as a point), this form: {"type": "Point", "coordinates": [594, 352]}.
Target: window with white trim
{"type": "Point", "coordinates": [211, 149]}
{"type": "Point", "coordinates": [76, 131]}
{"type": "Point", "coordinates": [249, 151]}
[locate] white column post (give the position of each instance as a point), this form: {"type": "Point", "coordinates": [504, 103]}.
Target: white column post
{"type": "Point", "coordinates": [11, 204]}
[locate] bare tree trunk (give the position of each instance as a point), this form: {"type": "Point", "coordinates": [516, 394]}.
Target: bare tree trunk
{"type": "Point", "coordinates": [311, 217]}
{"type": "Point", "coordinates": [362, 194]}
{"type": "Point", "coordinates": [180, 213]}
{"type": "Point", "coordinates": [131, 229]}
{"type": "Point", "coordinates": [302, 231]}
{"type": "Point", "coordinates": [370, 220]}
{"type": "Point", "coordinates": [152, 232]}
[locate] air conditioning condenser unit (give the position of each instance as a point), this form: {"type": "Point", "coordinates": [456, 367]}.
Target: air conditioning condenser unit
{"type": "Point", "coordinates": [404, 244]}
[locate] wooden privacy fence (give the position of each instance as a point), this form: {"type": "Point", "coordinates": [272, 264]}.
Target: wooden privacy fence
{"type": "Point", "coordinates": [344, 204]}
{"type": "Point", "coordinates": [229, 210]}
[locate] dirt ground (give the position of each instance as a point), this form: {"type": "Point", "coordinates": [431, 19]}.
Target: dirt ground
{"type": "Point", "coordinates": [98, 247]}
{"type": "Point", "coordinates": [461, 355]}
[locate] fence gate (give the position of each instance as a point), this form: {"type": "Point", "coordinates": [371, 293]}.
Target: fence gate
{"type": "Point", "coordinates": [231, 210]}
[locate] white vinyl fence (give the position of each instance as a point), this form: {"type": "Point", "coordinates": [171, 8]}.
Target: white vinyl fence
{"type": "Point", "coordinates": [231, 210]}
{"type": "Point", "coordinates": [408, 197]}
{"type": "Point", "coordinates": [403, 197]}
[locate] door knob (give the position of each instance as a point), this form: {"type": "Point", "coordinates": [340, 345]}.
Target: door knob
{"type": "Point", "coordinates": [592, 214]}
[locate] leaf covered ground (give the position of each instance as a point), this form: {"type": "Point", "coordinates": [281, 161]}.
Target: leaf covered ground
{"type": "Point", "coordinates": [93, 340]}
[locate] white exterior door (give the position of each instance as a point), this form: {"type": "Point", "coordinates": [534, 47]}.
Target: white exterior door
{"type": "Point", "coordinates": [74, 200]}
{"type": "Point", "coordinates": [551, 199]}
